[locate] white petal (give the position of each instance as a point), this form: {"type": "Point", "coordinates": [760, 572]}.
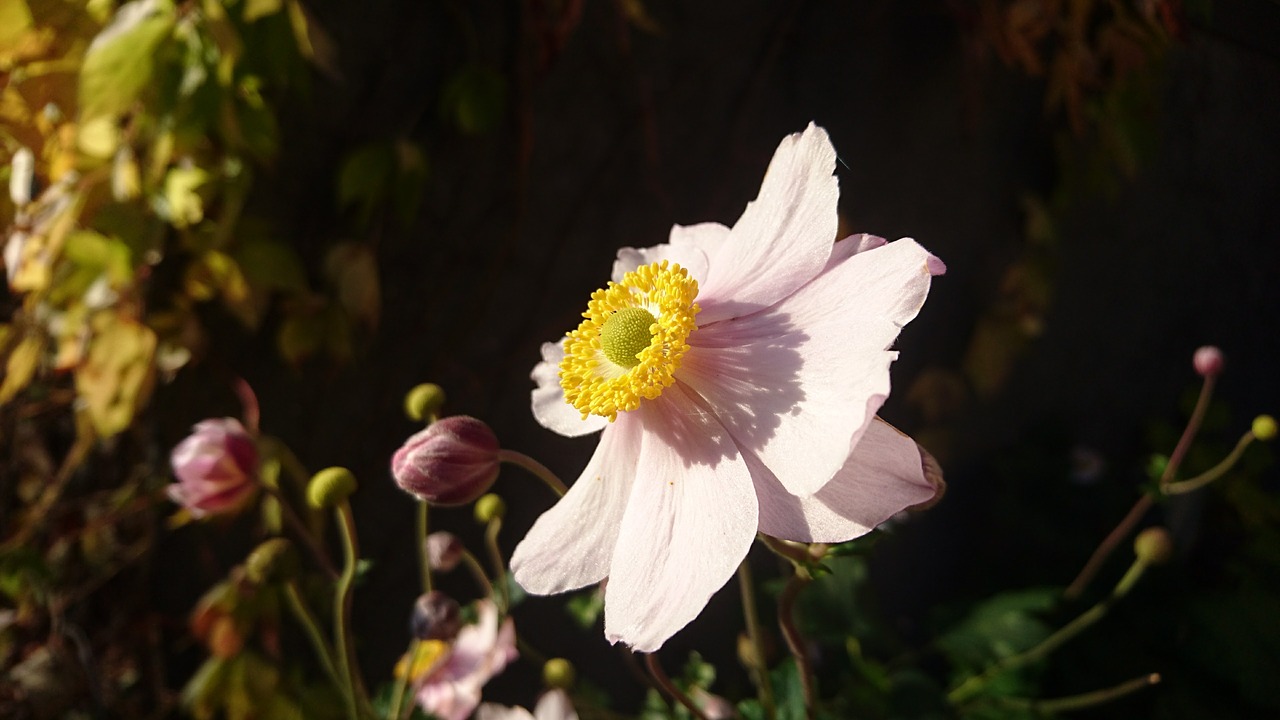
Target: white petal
{"type": "Point", "coordinates": [555, 705]}
{"type": "Point", "coordinates": [549, 406]}
{"type": "Point", "coordinates": [797, 384]}
{"type": "Point", "coordinates": [690, 520]}
{"type": "Point", "coordinates": [852, 245]}
{"type": "Point", "coordinates": [884, 475]}
{"type": "Point", "coordinates": [690, 247]}
{"type": "Point", "coordinates": [784, 237]}
{"type": "Point", "coordinates": [571, 545]}
{"type": "Point", "coordinates": [490, 711]}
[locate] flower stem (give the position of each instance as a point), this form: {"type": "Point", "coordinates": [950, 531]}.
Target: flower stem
{"type": "Point", "coordinates": [248, 401]}
{"type": "Point", "coordinates": [478, 572]}
{"type": "Point", "coordinates": [1217, 471]}
{"type": "Point", "coordinates": [308, 623]}
{"type": "Point", "coordinates": [300, 529]}
{"type": "Point", "coordinates": [976, 683]}
{"type": "Point", "coordinates": [424, 557]}
{"type": "Point", "coordinates": [660, 677]}
{"type": "Point", "coordinates": [495, 556]}
{"type": "Point", "coordinates": [795, 641]}
{"type": "Point", "coordinates": [534, 467]}
{"type": "Point", "coordinates": [402, 682]}
{"type": "Point", "coordinates": [342, 604]}
{"type": "Point", "coordinates": [1081, 701]}
{"type": "Point", "coordinates": [759, 675]}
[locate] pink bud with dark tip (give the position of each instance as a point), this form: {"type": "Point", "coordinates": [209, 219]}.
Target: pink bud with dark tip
{"type": "Point", "coordinates": [452, 462]}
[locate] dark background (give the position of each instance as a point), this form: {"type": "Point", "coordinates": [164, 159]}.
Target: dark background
{"type": "Point", "coordinates": [610, 134]}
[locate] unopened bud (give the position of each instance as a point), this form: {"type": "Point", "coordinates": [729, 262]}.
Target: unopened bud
{"type": "Point", "coordinates": [452, 462]}
{"type": "Point", "coordinates": [444, 551]}
{"type": "Point", "coordinates": [1264, 427]}
{"type": "Point", "coordinates": [424, 400]}
{"type": "Point", "coordinates": [330, 487]}
{"type": "Point", "coordinates": [1208, 361]}
{"type": "Point", "coordinates": [489, 508]}
{"type": "Point", "coordinates": [713, 706]}
{"type": "Point", "coordinates": [558, 673]}
{"type": "Point", "coordinates": [436, 616]}
{"type": "Point", "coordinates": [273, 561]}
{"type": "Point", "coordinates": [1153, 546]}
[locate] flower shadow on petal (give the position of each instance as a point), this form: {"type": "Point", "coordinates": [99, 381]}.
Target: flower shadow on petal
{"type": "Point", "coordinates": [746, 372]}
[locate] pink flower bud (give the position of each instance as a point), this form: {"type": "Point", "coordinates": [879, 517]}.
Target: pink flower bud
{"type": "Point", "coordinates": [216, 467]}
{"type": "Point", "coordinates": [436, 616]}
{"type": "Point", "coordinates": [452, 462]}
{"type": "Point", "coordinates": [1208, 361]}
{"type": "Point", "coordinates": [444, 551]}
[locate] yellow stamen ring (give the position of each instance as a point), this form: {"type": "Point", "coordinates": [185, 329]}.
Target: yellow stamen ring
{"type": "Point", "coordinates": [609, 364]}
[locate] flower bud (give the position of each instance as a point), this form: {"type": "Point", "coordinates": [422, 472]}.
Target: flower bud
{"type": "Point", "coordinates": [330, 487]}
{"type": "Point", "coordinates": [489, 508]}
{"type": "Point", "coordinates": [216, 467]}
{"type": "Point", "coordinates": [436, 616]}
{"type": "Point", "coordinates": [444, 551]}
{"type": "Point", "coordinates": [713, 706]}
{"type": "Point", "coordinates": [1153, 546]}
{"type": "Point", "coordinates": [1208, 361]}
{"type": "Point", "coordinates": [273, 561]}
{"type": "Point", "coordinates": [558, 673]}
{"type": "Point", "coordinates": [452, 462]}
{"type": "Point", "coordinates": [1264, 427]}
{"type": "Point", "coordinates": [423, 401]}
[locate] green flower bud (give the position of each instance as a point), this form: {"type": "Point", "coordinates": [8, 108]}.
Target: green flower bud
{"type": "Point", "coordinates": [423, 401]}
{"type": "Point", "coordinates": [558, 673]}
{"type": "Point", "coordinates": [1264, 427]}
{"type": "Point", "coordinates": [490, 507]}
{"type": "Point", "coordinates": [1153, 546]}
{"type": "Point", "coordinates": [330, 487]}
{"type": "Point", "coordinates": [273, 561]}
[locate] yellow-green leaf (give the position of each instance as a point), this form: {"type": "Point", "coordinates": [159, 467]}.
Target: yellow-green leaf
{"type": "Point", "coordinates": [21, 367]}
{"type": "Point", "coordinates": [117, 374]}
{"type": "Point", "coordinates": [184, 205]}
{"type": "Point", "coordinates": [354, 269]}
{"type": "Point", "coordinates": [120, 61]}
{"type": "Point", "coordinates": [254, 9]}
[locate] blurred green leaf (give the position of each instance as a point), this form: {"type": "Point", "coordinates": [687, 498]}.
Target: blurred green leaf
{"type": "Point", "coordinates": [585, 608]}
{"type": "Point", "coordinates": [474, 99]}
{"type": "Point", "coordinates": [998, 627]}
{"type": "Point", "coordinates": [354, 270]}
{"type": "Point", "coordinates": [182, 205]}
{"type": "Point", "coordinates": [120, 61]}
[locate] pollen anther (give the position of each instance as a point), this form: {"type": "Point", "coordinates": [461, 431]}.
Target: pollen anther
{"type": "Point", "coordinates": [609, 364]}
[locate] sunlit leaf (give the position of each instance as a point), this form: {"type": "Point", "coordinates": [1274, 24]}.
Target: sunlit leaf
{"type": "Point", "coordinates": [15, 19]}
{"type": "Point", "coordinates": [182, 204]}
{"type": "Point", "coordinates": [120, 61]}
{"type": "Point", "coordinates": [300, 337]}
{"type": "Point", "coordinates": [254, 9]}
{"type": "Point", "coordinates": [117, 374]}
{"type": "Point", "coordinates": [20, 367]}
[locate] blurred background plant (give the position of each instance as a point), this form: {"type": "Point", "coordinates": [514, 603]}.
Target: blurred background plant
{"type": "Point", "coordinates": [334, 202]}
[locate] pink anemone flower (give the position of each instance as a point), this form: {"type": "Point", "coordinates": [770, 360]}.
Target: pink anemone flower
{"type": "Point", "coordinates": [553, 705]}
{"type": "Point", "coordinates": [216, 466]}
{"type": "Point", "coordinates": [735, 373]}
{"type": "Point", "coordinates": [452, 688]}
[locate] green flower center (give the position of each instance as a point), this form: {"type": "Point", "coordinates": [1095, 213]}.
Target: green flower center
{"type": "Point", "coordinates": [626, 334]}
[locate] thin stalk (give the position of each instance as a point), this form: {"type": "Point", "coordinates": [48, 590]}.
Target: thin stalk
{"type": "Point", "coordinates": [312, 629]}
{"type": "Point", "coordinates": [664, 682]}
{"type": "Point", "coordinates": [342, 604]}
{"type": "Point", "coordinates": [795, 641]}
{"type": "Point", "coordinates": [1217, 471]}
{"type": "Point", "coordinates": [974, 684]}
{"type": "Point", "coordinates": [1083, 700]}
{"type": "Point", "coordinates": [495, 556]}
{"type": "Point", "coordinates": [478, 572]}
{"type": "Point", "coordinates": [402, 682]}
{"type": "Point", "coordinates": [423, 557]}
{"type": "Point", "coordinates": [300, 529]}
{"type": "Point", "coordinates": [536, 468]}
{"type": "Point", "coordinates": [759, 675]}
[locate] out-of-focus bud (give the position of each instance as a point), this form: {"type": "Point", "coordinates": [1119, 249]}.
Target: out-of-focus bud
{"type": "Point", "coordinates": [452, 462]}
{"type": "Point", "coordinates": [436, 616]}
{"type": "Point", "coordinates": [558, 673]}
{"type": "Point", "coordinates": [444, 551]}
{"type": "Point", "coordinates": [1208, 361]}
{"type": "Point", "coordinates": [713, 706]}
{"type": "Point", "coordinates": [424, 400]}
{"type": "Point", "coordinates": [216, 468]}
{"type": "Point", "coordinates": [330, 487]}
{"type": "Point", "coordinates": [273, 561]}
{"type": "Point", "coordinates": [1153, 546]}
{"type": "Point", "coordinates": [225, 639]}
{"type": "Point", "coordinates": [1264, 427]}
{"type": "Point", "coordinates": [22, 169]}
{"type": "Point", "coordinates": [490, 507]}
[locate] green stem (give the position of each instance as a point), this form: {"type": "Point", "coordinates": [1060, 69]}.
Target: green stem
{"type": "Point", "coordinates": [402, 682]}
{"type": "Point", "coordinates": [534, 467]}
{"type": "Point", "coordinates": [975, 684]}
{"type": "Point", "coordinates": [660, 677]}
{"type": "Point", "coordinates": [423, 556]}
{"type": "Point", "coordinates": [300, 529]}
{"type": "Point", "coordinates": [795, 641]}
{"type": "Point", "coordinates": [495, 556]}
{"type": "Point", "coordinates": [759, 673]}
{"type": "Point", "coordinates": [478, 572]}
{"type": "Point", "coordinates": [342, 605]}
{"type": "Point", "coordinates": [312, 629]}
{"type": "Point", "coordinates": [1082, 701]}
{"type": "Point", "coordinates": [1217, 471]}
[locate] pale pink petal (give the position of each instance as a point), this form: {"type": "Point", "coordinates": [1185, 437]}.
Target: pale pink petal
{"type": "Point", "coordinates": [449, 700]}
{"type": "Point", "coordinates": [852, 245]}
{"type": "Point", "coordinates": [555, 705]}
{"type": "Point", "coordinates": [571, 545]}
{"type": "Point", "coordinates": [689, 521]}
{"type": "Point", "coordinates": [688, 257]}
{"type": "Point", "coordinates": [797, 384]}
{"type": "Point", "coordinates": [784, 237]}
{"type": "Point", "coordinates": [884, 475]}
{"type": "Point", "coordinates": [549, 406]}
{"type": "Point", "coordinates": [490, 711]}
